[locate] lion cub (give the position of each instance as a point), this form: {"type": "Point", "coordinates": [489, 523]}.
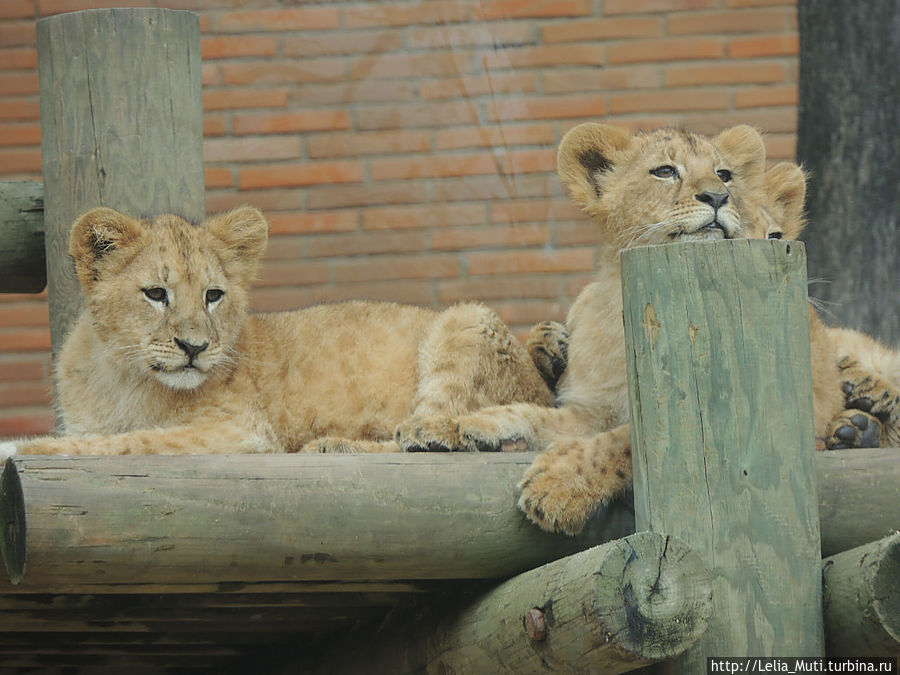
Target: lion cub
{"type": "Point", "coordinates": [165, 357]}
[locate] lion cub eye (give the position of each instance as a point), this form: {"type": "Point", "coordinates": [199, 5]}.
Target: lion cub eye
{"type": "Point", "coordinates": [665, 171]}
{"type": "Point", "coordinates": [157, 294]}
{"type": "Point", "coordinates": [213, 295]}
{"type": "Point", "coordinates": [724, 175]}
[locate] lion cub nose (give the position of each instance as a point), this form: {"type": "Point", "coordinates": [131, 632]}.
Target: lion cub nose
{"type": "Point", "coordinates": [714, 199]}
{"type": "Point", "coordinates": [191, 349]}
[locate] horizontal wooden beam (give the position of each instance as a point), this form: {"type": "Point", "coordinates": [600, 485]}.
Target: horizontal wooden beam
{"type": "Point", "coordinates": [618, 606]}
{"type": "Point", "coordinates": [22, 258]}
{"type": "Point", "coordinates": [280, 523]}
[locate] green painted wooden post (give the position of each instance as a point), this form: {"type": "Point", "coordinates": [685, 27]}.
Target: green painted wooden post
{"type": "Point", "coordinates": [721, 403]}
{"type": "Point", "coordinates": [121, 126]}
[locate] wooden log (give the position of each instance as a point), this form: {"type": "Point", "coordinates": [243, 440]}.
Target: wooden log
{"type": "Point", "coordinates": [862, 600]}
{"type": "Point", "coordinates": [610, 609]}
{"type": "Point", "coordinates": [170, 524]}
{"type": "Point", "coordinates": [22, 237]}
{"type": "Point", "coordinates": [720, 392]}
{"type": "Point", "coordinates": [121, 126]}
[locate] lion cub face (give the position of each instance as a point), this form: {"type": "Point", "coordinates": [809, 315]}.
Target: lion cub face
{"type": "Point", "coordinates": [168, 298]}
{"type": "Point", "coordinates": [663, 186]}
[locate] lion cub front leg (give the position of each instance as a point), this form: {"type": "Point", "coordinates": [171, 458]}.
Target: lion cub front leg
{"type": "Point", "coordinates": [548, 347]}
{"type": "Point", "coordinates": [565, 485]}
{"type": "Point", "coordinates": [872, 415]}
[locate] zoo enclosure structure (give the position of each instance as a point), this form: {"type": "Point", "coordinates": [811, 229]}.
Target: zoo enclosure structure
{"type": "Point", "coordinates": [192, 561]}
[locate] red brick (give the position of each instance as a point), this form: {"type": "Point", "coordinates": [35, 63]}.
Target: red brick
{"type": "Point", "coordinates": [725, 73]}
{"type": "Point", "coordinates": [494, 136]}
{"type": "Point", "coordinates": [18, 33]}
{"type": "Point", "coordinates": [503, 236]}
{"type": "Point", "coordinates": [525, 211]}
{"type": "Point", "coordinates": [304, 18]}
{"type": "Point", "coordinates": [771, 120]}
{"type": "Point", "coordinates": [218, 177]}
{"type": "Point", "coordinates": [367, 143]}
{"type": "Point", "coordinates": [345, 42]}
{"type": "Point", "coordinates": [760, 97]}
{"type": "Point", "coordinates": [353, 93]}
{"type": "Point", "coordinates": [403, 14]}
{"type": "Point", "coordinates": [312, 222]}
{"type": "Point", "coordinates": [49, 7]}
{"type": "Point", "coordinates": [394, 66]}
{"type": "Point", "coordinates": [477, 85]}
{"type": "Point", "coordinates": [20, 109]}
{"type": "Point", "coordinates": [24, 393]}
{"type": "Point", "coordinates": [18, 59]}
{"type": "Point", "coordinates": [521, 9]}
{"type": "Point", "coordinates": [421, 115]}
{"type": "Point", "coordinates": [34, 423]}
{"type": "Point", "coordinates": [281, 72]}
{"type": "Point", "coordinates": [670, 101]}
{"type": "Point", "coordinates": [602, 29]}
{"type": "Point", "coordinates": [238, 45]}
{"type": "Point", "coordinates": [578, 233]}
{"type": "Point", "coordinates": [17, 9]}
{"type": "Point", "coordinates": [498, 287]}
{"type": "Point", "coordinates": [529, 161]}
{"type": "Point", "coordinates": [430, 216]}
{"type": "Point", "coordinates": [531, 261]}
{"type": "Point", "coordinates": [583, 80]}
{"type": "Point", "coordinates": [214, 125]}
{"type": "Point", "coordinates": [290, 199]}
{"type": "Point", "coordinates": [470, 35]}
{"type": "Point", "coordinates": [292, 274]}
{"type": "Point", "coordinates": [308, 173]}
{"type": "Point", "coordinates": [25, 339]}
{"type": "Point", "coordinates": [502, 188]}
{"type": "Point", "coordinates": [278, 123]}
{"type": "Point", "coordinates": [24, 133]}
{"type": "Point", "coordinates": [229, 99]}
{"type": "Point", "coordinates": [250, 149]}
{"type": "Point", "coordinates": [22, 369]}
{"type": "Point", "coordinates": [417, 292]}
{"type": "Point", "coordinates": [529, 312]}
{"type": "Point", "coordinates": [559, 107]}
{"type": "Point", "coordinates": [713, 23]}
{"type": "Point", "coordinates": [545, 55]}
{"type": "Point", "coordinates": [341, 196]}
{"type": "Point", "coordinates": [20, 161]}
{"type": "Point", "coordinates": [781, 147]}
{"type": "Point", "coordinates": [645, 6]}
{"type": "Point", "coordinates": [396, 267]}
{"type": "Point", "coordinates": [772, 45]}
{"type": "Point", "coordinates": [26, 314]}
{"type": "Point", "coordinates": [433, 166]}
{"type": "Point", "coordinates": [18, 83]}
{"type": "Point", "coordinates": [673, 49]}
{"type": "Point", "coordinates": [759, 3]}
{"type": "Point", "coordinates": [210, 74]}
{"type": "Point", "coordinates": [370, 243]}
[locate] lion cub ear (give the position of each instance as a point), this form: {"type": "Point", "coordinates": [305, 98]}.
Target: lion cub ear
{"type": "Point", "coordinates": [97, 236]}
{"type": "Point", "coordinates": [786, 187]}
{"type": "Point", "coordinates": [587, 152]}
{"type": "Point", "coordinates": [243, 232]}
{"type": "Point", "coordinates": [744, 147]}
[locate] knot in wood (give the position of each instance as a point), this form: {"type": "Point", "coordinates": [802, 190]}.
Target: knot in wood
{"type": "Point", "coordinates": [535, 624]}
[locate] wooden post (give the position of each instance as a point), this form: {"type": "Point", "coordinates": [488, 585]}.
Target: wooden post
{"type": "Point", "coordinates": [121, 126]}
{"type": "Point", "coordinates": [718, 354]}
{"type": "Point", "coordinates": [611, 609]}
{"type": "Point", "coordinates": [22, 237]}
{"type": "Point", "coordinates": [862, 600]}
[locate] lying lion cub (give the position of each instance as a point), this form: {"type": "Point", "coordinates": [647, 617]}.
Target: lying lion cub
{"type": "Point", "coordinates": [165, 358]}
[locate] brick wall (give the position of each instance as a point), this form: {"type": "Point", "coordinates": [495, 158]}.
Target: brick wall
{"type": "Point", "coordinates": [405, 150]}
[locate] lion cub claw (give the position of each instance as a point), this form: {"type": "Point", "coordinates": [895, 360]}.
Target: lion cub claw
{"type": "Point", "coordinates": [429, 434]}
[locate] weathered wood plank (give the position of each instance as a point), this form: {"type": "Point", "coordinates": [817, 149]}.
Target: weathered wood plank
{"type": "Point", "coordinates": [862, 600]}
{"type": "Point", "coordinates": [22, 237]}
{"type": "Point", "coordinates": [616, 607]}
{"type": "Point", "coordinates": [98, 524]}
{"type": "Point", "coordinates": [719, 371]}
{"type": "Point", "coordinates": [121, 126]}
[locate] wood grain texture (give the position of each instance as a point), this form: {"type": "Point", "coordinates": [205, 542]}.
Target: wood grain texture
{"type": "Point", "coordinates": [121, 126]}
{"type": "Point", "coordinates": [862, 600]}
{"type": "Point", "coordinates": [610, 609]}
{"type": "Point", "coordinates": [721, 405]}
{"type": "Point", "coordinates": [22, 237]}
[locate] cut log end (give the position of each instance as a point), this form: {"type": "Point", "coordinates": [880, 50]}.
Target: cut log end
{"type": "Point", "coordinates": [664, 601]}
{"type": "Point", "coordinates": [884, 573]}
{"type": "Point", "coordinates": [12, 518]}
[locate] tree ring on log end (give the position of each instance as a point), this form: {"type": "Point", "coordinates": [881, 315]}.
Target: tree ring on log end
{"type": "Point", "coordinates": [885, 591]}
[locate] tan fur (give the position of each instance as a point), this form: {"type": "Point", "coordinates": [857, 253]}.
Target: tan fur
{"type": "Point", "coordinates": [309, 379]}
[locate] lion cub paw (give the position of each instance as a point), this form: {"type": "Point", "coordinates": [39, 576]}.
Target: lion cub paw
{"type": "Point", "coordinates": [429, 434]}
{"type": "Point", "coordinates": [331, 445]}
{"type": "Point", "coordinates": [853, 429]}
{"type": "Point", "coordinates": [548, 347]}
{"type": "Point", "coordinates": [564, 486]}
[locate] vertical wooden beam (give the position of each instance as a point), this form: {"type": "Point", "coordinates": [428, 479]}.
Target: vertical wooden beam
{"type": "Point", "coordinates": [22, 237]}
{"type": "Point", "coordinates": [721, 407]}
{"type": "Point", "coordinates": [121, 126]}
